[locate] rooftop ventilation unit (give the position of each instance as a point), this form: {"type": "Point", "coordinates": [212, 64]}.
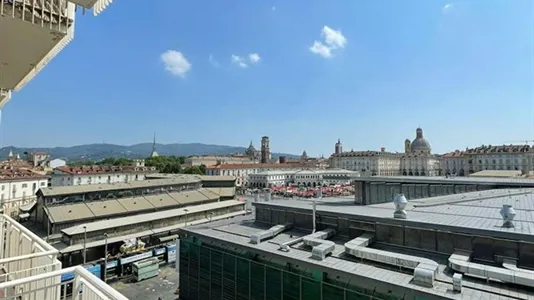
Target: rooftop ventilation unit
{"type": "Point", "coordinates": [256, 197]}
{"type": "Point", "coordinates": [320, 247]}
{"type": "Point", "coordinates": [400, 204]}
{"type": "Point", "coordinates": [258, 237]}
{"type": "Point", "coordinates": [508, 214]}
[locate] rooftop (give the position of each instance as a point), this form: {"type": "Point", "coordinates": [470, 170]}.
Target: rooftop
{"type": "Point", "coordinates": [103, 169]}
{"type": "Point", "coordinates": [520, 182]}
{"type": "Point", "coordinates": [65, 213]}
{"type": "Point", "coordinates": [470, 213]}
{"type": "Point", "coordinates": [261, 166]}
{"type": "Point", "coordinates": [340, 265]}
{"type": "Point", "coordinates": [89, 188]}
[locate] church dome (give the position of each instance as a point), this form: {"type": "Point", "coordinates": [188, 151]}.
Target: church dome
{"type": "Point", "coordinates": [420, 143]}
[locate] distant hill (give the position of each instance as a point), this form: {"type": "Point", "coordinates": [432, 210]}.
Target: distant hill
{"type": "Point", "coordinates": [97, 152]}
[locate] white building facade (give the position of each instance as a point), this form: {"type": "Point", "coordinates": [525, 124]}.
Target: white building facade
{"type": "Point", "coordinates": [242, 171]}
{"type": "Point", "coordinates": [70, 176]}
{"type": "Point", "coordinates": [19, 192]}
{"type": "Point", "coordinates": [308, 178]}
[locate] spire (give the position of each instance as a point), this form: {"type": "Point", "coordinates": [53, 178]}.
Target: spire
{"type": "Point", "coordinates": [250, 144]}
{"type": "Point", "coordinates": [154, 153]}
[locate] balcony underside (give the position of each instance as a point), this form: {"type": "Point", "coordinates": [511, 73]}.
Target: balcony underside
{"type": "Point", "coordinates": [31, 34]}
{"type": "Point", "coordinates": [5, 95]}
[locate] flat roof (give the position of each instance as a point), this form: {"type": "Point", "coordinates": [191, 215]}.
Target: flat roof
{"type": "Point", "coordinates": [520, 182]}
{"type": "Point", "coordinates": [89, 188]}
{"type": "Point", "coordinates": [225, 218]}
{"type": "Point", "coordinates": [217, 178]}
{"type": "Point", "coordinates": [236, 235]}
{"type": "Point", "coordinates": [148, 217]}
{"type": "Point", "coordinates": [469, 213]}
{"type": "Point", "coordinates": [64, 213]}
{"type": "Point", "coordinates": [223, 192]}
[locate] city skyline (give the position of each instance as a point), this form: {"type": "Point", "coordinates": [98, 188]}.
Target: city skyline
{"type": "Point", "coordinates": [305, 75]}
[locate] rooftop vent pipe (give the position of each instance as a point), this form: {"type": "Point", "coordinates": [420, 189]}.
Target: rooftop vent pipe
{"type": "Point", "coordinates": [267, 195]}
{"type": "Point", "coordinates": [400, 204]}
{"type": "Point", "coordinates": [314, 210]}
{"type": "Point", "coordinates": [508, 214]}
{"type": "Point", "coordinates": [256, 197]}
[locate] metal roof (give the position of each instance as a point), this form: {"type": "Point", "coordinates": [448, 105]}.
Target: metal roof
{"type": "Point", "coordinates": [236, 235]}
{"type": "Point", "coordinates": [522, 182]}
{"type": "Point", "coordinates": [223, 192]}
{"type": "Point", "coordinates": [469, 213]}
{"type": "Point", "coordinates": [64, 213]}
{"type": "Point", "coordinates": [88, 188]}
{"type": "Point", "coordinates": [148, 217]}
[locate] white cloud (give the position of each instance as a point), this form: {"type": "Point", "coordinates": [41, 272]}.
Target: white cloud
{"type": "Point", "coordinates": [238, 60]}
{"type": "Point", "coordinates": [447, 8]}
{"type": "Point", "coordinates": [175, 63]}
{"type": "Point", "coordinates": [213, 61]}
{"type": "Point", "coordinates": [333, 39]}
{"type": "Point", "coordinates": [321, 49]}
{"type": "Point", "coordinates": [254, 57]}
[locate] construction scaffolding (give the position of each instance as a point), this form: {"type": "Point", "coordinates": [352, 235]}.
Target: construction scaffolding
{"type": "Point", "coordinates": [208, 273]}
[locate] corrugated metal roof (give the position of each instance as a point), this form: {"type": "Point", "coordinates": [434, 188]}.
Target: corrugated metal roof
{"type": "Point", "coordinates": [106, 207]}
{"type": "Point", "coordinates": [223, 192]}
{"type": "Point", "coordinates": [524, 182]}
{"type": "Point", "coordinates": [135, 204]}
{"type": "Point", "coordinates": [98, 208]}
{"type": "Point", "coordinates": [472, 213]}
{"type": "Point", "coordinates": [143, 218]}
{"type": "Point", "coordinates": [88, 188]}
{"type": "Point", "coordinates": [217, 178]}
{"type": "Point", "coordinates": [67, 213]}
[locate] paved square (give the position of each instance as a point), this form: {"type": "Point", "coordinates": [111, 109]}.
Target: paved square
{"type": "Point", "coordinates": [150, 289]}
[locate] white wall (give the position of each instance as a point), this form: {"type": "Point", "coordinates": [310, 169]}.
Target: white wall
{"type": "Point", "coordinates": [57, 162]}
{"type": "Point", "coordinates": [63, 179]}
{"type": "Point", "coordinates": [13, 194]}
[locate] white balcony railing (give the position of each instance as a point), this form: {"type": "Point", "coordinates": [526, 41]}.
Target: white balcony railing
{"type": "Point", "coordinates": [29, 269]}
{"type": "Point", "coordinates": [57, 15]}
{"type": "Point", "coordinates": [46, 287]}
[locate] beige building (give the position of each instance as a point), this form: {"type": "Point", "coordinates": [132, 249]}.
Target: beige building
{"type": "Point", "coordinates": [505, 157]}
{"type": "Point", "coordinates": [417, 160]}
{"type": "Point", "coordinates": [211, 160]}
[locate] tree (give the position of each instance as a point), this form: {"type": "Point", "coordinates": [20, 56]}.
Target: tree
{"type": "Point", "coordinates": [121, 161]}
{"type": "Point", "coordinates": [166, 164]}
{"type": "Point", "coordinates": [194, 170]}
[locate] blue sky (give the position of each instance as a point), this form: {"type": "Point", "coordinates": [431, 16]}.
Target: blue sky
{"type": "Point", "coordinates": [463, 71]}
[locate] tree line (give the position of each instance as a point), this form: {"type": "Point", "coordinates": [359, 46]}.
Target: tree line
{"type": "Point", "coordinates": [164, 164]}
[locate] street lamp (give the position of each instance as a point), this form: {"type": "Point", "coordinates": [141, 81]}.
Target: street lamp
{"type": "Point", "coordinates": [211, 216]}
{"type": "Point", "coordinates": [105, 257]}
{"type": "Point", "coordinates": [84, 244]}
{"type": "Point", "coordinates": [185, 217]}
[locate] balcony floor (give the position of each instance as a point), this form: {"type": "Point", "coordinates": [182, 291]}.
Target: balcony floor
{"type": "Point", "coordinates": [27, 44]}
